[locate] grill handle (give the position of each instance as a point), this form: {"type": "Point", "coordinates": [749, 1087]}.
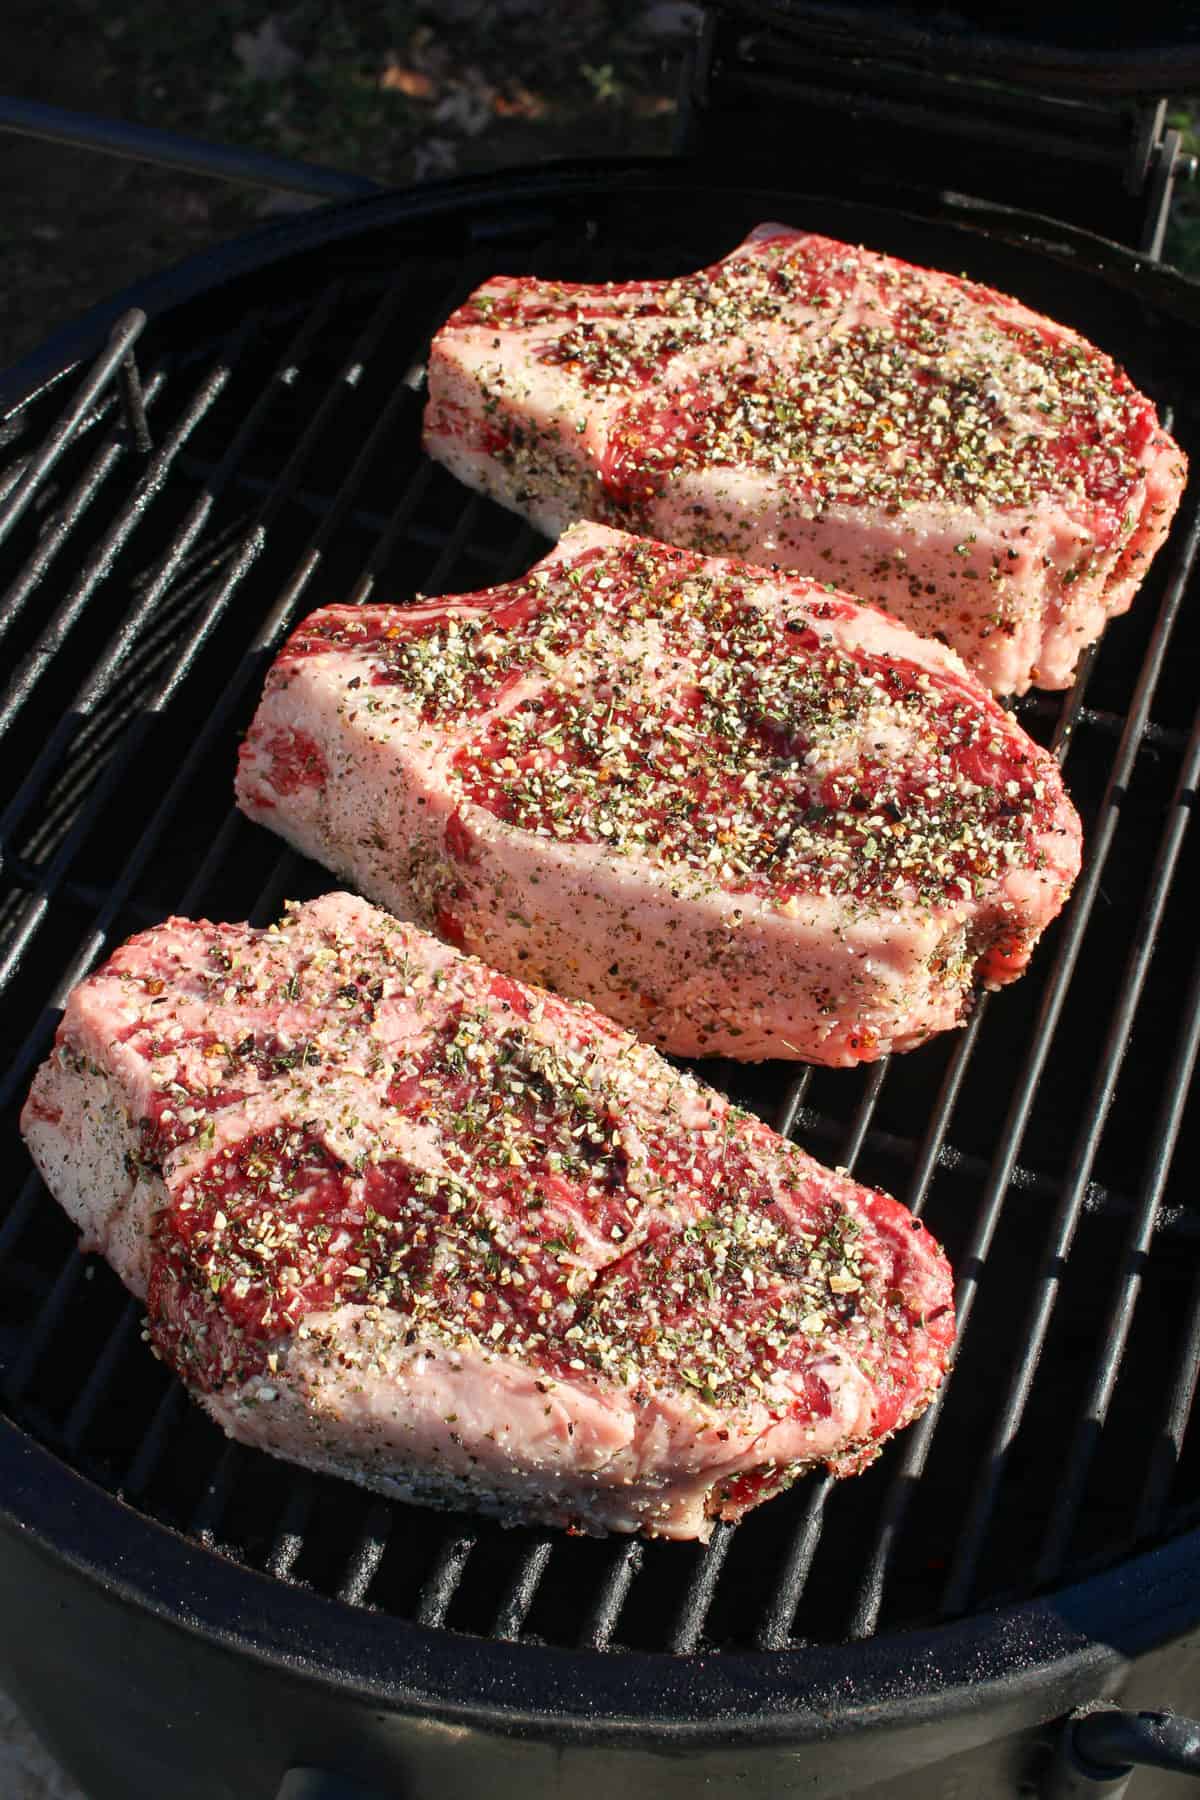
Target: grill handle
{"type": "Point", "coordinates": [1099, 1749]}
{"type": "Point", "coordinates": [175, 150]}
{"type": "Point", "coordinates": [323, 1784]}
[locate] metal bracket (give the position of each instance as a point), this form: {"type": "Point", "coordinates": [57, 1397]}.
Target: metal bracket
{"type": "Point", "coordinates": [1100, 1746]}
{"type": "Point", "coordinates": [1167, 164]}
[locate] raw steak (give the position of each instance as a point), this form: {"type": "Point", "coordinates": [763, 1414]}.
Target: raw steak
{"type": "Point", "coordinates": [401, 1218]}
{"type": "Point", "coordinates": [925, 442]}
{"type": "Point", "coordinates": [740, 814]}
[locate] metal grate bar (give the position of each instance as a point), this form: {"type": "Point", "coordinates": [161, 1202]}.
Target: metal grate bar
{"type": "Point", "coordinates": [1094, 1411]}
{"type": "Point", "coordinates": [778, 1618]}
{"type": "Point", "coordinates": [366, 1556]}
{"type": "Point", "coordinates": [793, 1103]}
{"type": "Point", "coordinates": [12, 473]}
{"type": "Point", "coordinates": [124, 1334]}
{"type": "Point", "coordinates": [217, 855]}
{"type": "Point", "coordinates": [1110, 724]}
{"type": "Point", "coordinates": [399, 522]}
{"type": "Point", "coordinates": [133, 400]}
{"type": "Point", "coordinates": [269, 902]}
{"type": "Point", "coordinates": [453, 547]}
{"type": "Point", "coordinates": [289, 1536]}
{"type": "Point", "coordinates": [59, 525]}
{"type": "Point", "coordinates": [919, 1437]}
{"type": "Point", "coordinates": [864, 1112]}
{"type": "Point", "coordinates": [19, 1214]}
{"type": "Point", "coordinates": [441, 1583]}
{"type": "Point", "coordinates": [932, 1151]}
{"type": "Point", "coordinates": [600, 1621]}
{"type": "Point", "coordinates": [209, 1509]}
{"type": "Point", "coordinates": [154, 1442]}
{"type": "Point", "coordinates": [44, 1326]}
{"type": "Point", "coordinates": [430, 537]}
{"type": "Point", "coordinates": [1032, 1337]}
{"type": "Point", "coordinates": [125, 333]}
{"type": "Point", "coordinates": [519, 1596]}
{"type": "Point", "coordinates": [34, 665]}
{"type": "Point", "coordinates": [694, 1609]}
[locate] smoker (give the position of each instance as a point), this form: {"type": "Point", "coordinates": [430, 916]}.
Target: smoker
{"type": "Point", "coordinates": [1008, 1602]}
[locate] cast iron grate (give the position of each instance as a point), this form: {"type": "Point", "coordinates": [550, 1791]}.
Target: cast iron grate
{"type": "Point", "coordinates": [269, 463]}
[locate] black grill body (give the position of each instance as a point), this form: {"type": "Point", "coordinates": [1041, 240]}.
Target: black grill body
{"type": "Point", "coordinates": [196, 1614]}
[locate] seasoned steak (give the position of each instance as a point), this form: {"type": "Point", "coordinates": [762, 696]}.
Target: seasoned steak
{"type": "Point", "coordinates": [740, 814]}
{"type": "Point", "coordinates": [401, 1218]}
{"type": "Point", "coordinates": [931, 445]}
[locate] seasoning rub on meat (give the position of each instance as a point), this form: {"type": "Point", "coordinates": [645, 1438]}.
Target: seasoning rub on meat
{"type": "Point", "coordinates": [400, 1218]}
{"type": "Point", "coordinates": [740, 814]}
{"type": "Point", "coordinates": [927, 443]}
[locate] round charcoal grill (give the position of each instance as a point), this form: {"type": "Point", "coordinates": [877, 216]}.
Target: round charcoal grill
{"type": "Point", "coordinates": [181, 1611]}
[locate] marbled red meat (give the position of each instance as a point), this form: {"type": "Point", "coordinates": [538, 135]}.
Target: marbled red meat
{"type": "Point", "coordinates": [401, 1218]}
{"type": "Point", "coordinates": [926, 442]}
{"type": "Point", "coordinates": [741, 814]}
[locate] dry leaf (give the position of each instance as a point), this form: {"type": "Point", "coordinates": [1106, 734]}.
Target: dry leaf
{"type": "Point", "coordinates": [263, 54]}
{"type": "Point", "coordinates": [402, 80]}
{"type": "Point", "coordinates": [518, 102]}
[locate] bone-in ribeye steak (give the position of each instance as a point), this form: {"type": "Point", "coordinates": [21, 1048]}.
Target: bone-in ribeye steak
{"type": "Point", "coordinates": [740, 814]}
{"type": "Point", "coordinates": [927, 443]}
{"type": "Point", "coordinates": [401, 1218]}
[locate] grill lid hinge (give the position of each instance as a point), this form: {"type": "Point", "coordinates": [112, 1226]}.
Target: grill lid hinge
{"type": "Point", "coordinates": [792, 98]}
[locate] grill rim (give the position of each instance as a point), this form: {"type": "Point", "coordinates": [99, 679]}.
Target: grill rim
{"type": "Point", "coordinates": [1046, 1653]}
{"type": "Point", "coordinates": [878, 1672]}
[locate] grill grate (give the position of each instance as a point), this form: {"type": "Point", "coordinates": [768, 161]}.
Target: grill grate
{"type": "Point", "coordinates": [152, 582]}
